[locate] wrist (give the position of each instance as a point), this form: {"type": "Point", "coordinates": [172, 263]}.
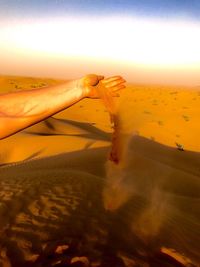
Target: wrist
{"type": "Point", "coordinates": [82, 88]}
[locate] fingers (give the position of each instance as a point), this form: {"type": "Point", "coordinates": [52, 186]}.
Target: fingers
{"type": "Point", "coordinates": [113, 84]}
{"type": "Point", "coordinates": [111, 79]}
{"type": "Point", "coordinates": [114, 92]}
{"type": "Point", "coordinates": [117, 88]}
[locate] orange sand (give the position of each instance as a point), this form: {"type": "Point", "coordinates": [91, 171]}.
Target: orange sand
{"type": "Point", "coordinates": [53, 179]}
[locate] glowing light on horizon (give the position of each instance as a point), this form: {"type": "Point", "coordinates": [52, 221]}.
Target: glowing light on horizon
{"type": "Point", "coordinates": [138, 41]}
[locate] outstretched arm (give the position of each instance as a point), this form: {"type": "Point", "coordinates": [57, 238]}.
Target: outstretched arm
{"type": "Point", "coordinates": [20, 110]}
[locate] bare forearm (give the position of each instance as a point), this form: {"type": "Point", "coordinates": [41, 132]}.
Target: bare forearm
{"type": "Point", "coordinates": [22, 109]}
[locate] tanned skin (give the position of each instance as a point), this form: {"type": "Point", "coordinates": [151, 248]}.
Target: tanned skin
{"type": "Point", "coordinates": [20, 110]}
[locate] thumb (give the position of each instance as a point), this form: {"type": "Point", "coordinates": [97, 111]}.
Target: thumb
{"type": "Point", "coordinates": [100, 77]}
{"type": "Point", "coordinates": [92, 79]}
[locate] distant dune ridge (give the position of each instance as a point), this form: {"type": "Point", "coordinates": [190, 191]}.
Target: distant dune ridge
{"type": "Point", "coordinates": [64, 203]}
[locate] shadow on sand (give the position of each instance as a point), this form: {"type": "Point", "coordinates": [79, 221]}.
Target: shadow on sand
{"type": "Point", "coordinates": [70, 199]}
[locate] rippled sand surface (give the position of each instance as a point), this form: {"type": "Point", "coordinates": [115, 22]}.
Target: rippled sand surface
{"type": "Point", "coordinates": [62, 203]}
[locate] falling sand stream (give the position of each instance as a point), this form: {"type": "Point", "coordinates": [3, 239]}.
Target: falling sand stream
{"type": "Point", "coordinates": [135, 204]}
{"type": "Point", "coordinates": [117, 191]}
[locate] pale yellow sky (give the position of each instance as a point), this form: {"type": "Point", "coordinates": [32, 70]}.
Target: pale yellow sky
{"type": "Point", "coordinates": [147, 51]}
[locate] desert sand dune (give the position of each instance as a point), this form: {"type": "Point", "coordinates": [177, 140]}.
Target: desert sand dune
{"type": "Point", "coordinates": [62, 203]}
{"type": "Point", "coordinates": [59, 200]}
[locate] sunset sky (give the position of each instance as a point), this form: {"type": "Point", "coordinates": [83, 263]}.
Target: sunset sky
{"type": "Point", "coordinates": [144, 41]}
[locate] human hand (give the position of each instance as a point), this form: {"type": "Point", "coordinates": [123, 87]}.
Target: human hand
{"type": "Point", "coordinates": [92, 83]}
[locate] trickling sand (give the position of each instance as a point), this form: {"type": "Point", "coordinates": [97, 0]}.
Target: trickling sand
{"type": "Point", "coordinates": [63, 202]}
